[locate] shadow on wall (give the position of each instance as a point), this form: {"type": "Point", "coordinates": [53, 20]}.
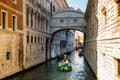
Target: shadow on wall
{"type": "Point", "coordinates": [90, 37]}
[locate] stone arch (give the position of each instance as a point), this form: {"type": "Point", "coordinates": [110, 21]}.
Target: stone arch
{"type": "Point", "coordinates": [66, 29]}
{"type": "Point", "coordinates": [68, 18]}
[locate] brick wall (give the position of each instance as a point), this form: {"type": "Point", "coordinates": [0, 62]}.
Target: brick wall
{"type": "Point", "coordinates": [12, 9]}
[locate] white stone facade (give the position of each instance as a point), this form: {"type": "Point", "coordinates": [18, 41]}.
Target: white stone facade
{"type": "Point", "coordinates": [70, 40]}
{"type": "Point", "coordinates": [62, 43]}
{"type": "Point", "coordinates": [68, 18]}
{"type": "Point", "coordinates": [37, 29]}
{"type": "Point", "coordinates": [103, 37]}
{"type": "Point", "coordinates": [36, 32]}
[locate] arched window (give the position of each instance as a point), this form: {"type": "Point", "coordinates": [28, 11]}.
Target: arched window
{"type": "Point", "coordinates": [104, 15]}
{"type": "Point", "coordinates": [27, 16]}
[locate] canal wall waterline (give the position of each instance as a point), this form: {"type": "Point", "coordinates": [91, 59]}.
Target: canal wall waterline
{"type": "Point", "coordinates": [25, 70]}
{"type": "Point", "coordinates": [48, 71]}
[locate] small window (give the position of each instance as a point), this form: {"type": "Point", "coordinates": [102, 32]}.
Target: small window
{"type": "Point", "coordinates": [27, 38]}
{"type": "Point", "coordinates": [61, 21]}
{"type": "Point", "coordinates": [38, 39]}
{"type": "Point", "coordinates": [31, 18]}
{"type": "Point", "coordinates": [53, 8]}
{"type": "Point", "coordinates": [8, 56]}
{"type": "Point", "coordinates": [14, 1]}
{"type": "Point", "coordinates": [14, 23]}
{"type": "Point", "coordinates": [42, 48]}
{"type": "Point", "coordinates": [27, 16]}
{"type": "Point", "coordinates": [75, 20]}
{"type": "Point", "coordinates": [104, 15]}
{"type": "Point", "coordinates": [31, 39]}
{"type": "Point", "coordinates": [4, 20]}
{"type": "Point", "coordinates": [41, 39]}
{"type": "Point", "coordinates": [35, 39]}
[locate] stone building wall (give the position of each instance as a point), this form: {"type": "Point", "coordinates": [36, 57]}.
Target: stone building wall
{"type": "Point", "coordinates": [106, 43]}
{"type": "Point", "coordinates": [11, 37]}
{"type": "Point", "coordinates": [59, 44]}
{"type": "Point", "coordinates": [108, 39]}
{"type": "Point", "coordinates": [10, 53]}
{"type": "Point", "coordinates": [37, 32]}
{"type": "Point", "coordinates": [90, 35]}
{"type": "Point", "coordinates": [37, 29]}
{"type": "Point", "coordinates": [25, 33]}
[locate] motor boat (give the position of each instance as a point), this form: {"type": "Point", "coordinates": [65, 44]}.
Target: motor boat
{"type": "Point", "coordinates": [64, 65]}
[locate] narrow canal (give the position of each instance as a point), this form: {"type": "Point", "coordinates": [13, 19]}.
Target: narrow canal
{"type": "Point", "coordinates": [48, 71]}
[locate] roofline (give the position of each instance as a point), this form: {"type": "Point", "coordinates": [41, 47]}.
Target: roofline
{"type": "Point", "coordinates": [68, 11]}
{"type": "Point", "coordinates": [66, 4]}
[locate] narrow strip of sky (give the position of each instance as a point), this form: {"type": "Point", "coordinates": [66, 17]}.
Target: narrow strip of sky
{"type": "Point", "coordinates": [78, 4]}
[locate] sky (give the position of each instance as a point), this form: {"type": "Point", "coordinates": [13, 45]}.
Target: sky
{"type": "Point", "coordinates": [78, 4]}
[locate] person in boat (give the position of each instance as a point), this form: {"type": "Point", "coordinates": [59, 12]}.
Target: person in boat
{"type": "Point", "coordinates": [64, 65]}
{"type": "Point", "coordinates": [66, 61]}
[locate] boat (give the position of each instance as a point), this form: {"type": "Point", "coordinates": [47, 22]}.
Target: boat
{"type": "Point", "coordinates": [64, 65]}
{"type": "Point", "coordinates": [81, 53]}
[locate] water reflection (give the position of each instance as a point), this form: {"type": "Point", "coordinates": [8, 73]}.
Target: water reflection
{"type": "Point", "coordinates": [48, 71]}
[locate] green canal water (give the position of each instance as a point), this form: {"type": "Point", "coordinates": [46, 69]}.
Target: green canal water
{"type": "Point", "coordinates": [48, 71]}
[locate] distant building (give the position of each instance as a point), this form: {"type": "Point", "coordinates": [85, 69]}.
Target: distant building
{"type": "Point", "coordinates": [78, 39]}
{"type": "Point", "coordinates": [70, 37]}
{"type": "Point", "coordinates": [11, 37]}
{"type": "Point", "coordinates": [62, 43]}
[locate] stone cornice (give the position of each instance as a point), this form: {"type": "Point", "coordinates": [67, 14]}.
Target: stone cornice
{"type": "Point", "coordinates": [6, 6]}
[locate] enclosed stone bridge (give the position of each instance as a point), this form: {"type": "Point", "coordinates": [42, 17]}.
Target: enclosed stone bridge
{"type": "Point", "coordinates": [65, 20]}
{"type": "Point", "coordinates": [68, 18]}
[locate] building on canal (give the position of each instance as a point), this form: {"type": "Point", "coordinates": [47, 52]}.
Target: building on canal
{"type": "Point", "coordinates": [33, 31]}
{"type": "Point", "coordinates": [102, 40]}
{"type": "Point", "coordinates": [78, 39]}
{"type": "Point", "coordinates": [25, 33]}
{"type": "Point", "coordinates": [63, 41]}
{"type": "Point", "coordinates": [37, 29]}
{"type": "Point", "coordinates": [11, 37]}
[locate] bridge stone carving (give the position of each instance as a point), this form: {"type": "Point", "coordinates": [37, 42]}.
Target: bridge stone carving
{"type": "Point", "coordinates": [68, 18]}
